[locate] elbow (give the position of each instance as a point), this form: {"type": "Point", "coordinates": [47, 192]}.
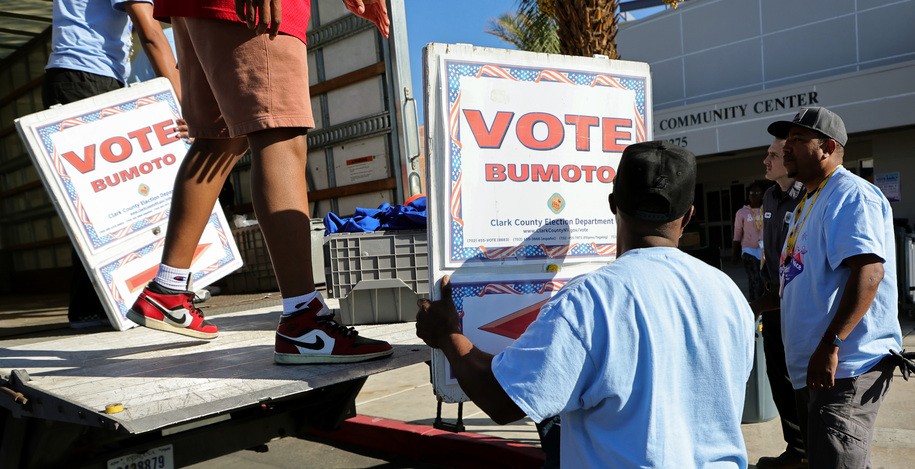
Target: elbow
{"type": "Point", "coordinates": [501, 420]}
{"type": "Point", "coordinates": [870, 275]}
{"type": "Point", "coordinates": [876, 274]}
{"type": "Point", "coordinates": [501, 409]}
{"type": "Point", "coordinates": [505, 418]}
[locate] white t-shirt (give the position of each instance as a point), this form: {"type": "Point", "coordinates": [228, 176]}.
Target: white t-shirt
{"type": "Point", "coordinates": [646, 360]}
{"type": "Point", "coordinates": [849, 217]}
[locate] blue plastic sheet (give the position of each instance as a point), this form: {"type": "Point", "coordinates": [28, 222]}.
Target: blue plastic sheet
{"type": "Point", "coordinates": [409, 216]}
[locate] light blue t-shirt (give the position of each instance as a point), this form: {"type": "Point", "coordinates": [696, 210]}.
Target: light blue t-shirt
{"type": "Point", "coordinates": [92, 36]}
{"type": "Point", "coordinates": [646, 360]}
{"type": "Point", "coordinates": [850, 217]}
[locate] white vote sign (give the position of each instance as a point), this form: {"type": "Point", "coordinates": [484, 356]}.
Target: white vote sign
{"type": "Point", "coordinates": [523, 149]}
{"type": "Point", "coordinates": [109, 163]}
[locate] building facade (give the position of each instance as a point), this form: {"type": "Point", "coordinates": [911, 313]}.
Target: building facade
{"type": "Point", "coordinates": [723, 70]}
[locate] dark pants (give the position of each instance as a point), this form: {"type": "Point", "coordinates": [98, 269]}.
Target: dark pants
{"type": "Point", "coordinates": [63, 86]}
{"type": "Point", "coordinates": [782, 391]}
{"type": "Point", "coordinates": [840, 421]}
{"type": "Point", "coordinates": [754, 276]}
{"type": "Point", "coordinates": [549, 430]}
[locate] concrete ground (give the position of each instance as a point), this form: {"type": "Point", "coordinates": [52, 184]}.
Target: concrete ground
{"type": "Point", "coordinates": [405, 395]}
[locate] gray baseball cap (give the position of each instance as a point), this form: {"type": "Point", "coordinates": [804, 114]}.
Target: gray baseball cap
{"type": "Point", "coordinates": [819, 119]}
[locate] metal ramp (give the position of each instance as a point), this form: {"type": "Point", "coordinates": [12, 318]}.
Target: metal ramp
{"type": "Point", "coordinates": [166, 383]}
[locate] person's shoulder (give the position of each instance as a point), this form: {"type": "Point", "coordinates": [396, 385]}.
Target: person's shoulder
{"type": "Point", "coordinates": [620, 267]}
{"type": "Point", "coordinates": [771, 196]}
{"type": "Point", "coordinates": [851, 186]}
{"type": "Point", "coordinates": [672, 258]}
{"type": "Point", "coordinates": [587, 289]}
{"type": "Point", "coordinates": [620, 272]}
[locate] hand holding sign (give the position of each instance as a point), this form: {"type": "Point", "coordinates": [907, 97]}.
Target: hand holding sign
{"type": "Point", "coordinates": [436, 320]}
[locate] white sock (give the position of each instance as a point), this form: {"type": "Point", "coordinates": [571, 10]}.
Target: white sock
{"type": "Point", "coordinates": [291, 305]}
{"type": "Point", "coordinates": [172, 278]}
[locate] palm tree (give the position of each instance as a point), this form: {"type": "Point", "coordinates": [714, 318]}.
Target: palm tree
{"type": "Point", "coordinates": [585, 27]}
{"type": "Point", "coordinates": [533, 31]}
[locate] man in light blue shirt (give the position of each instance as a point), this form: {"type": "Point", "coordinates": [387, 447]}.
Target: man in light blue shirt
{"type": "Point", "coordinates": [94, 36]}
{"type": "Point", "coordinates": [838, 293]}
{"type": "Point", "coordinates": [646, 359]}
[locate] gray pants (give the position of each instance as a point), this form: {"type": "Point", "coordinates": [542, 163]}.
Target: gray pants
{"type": "Point", "coordinates": [840, 421]}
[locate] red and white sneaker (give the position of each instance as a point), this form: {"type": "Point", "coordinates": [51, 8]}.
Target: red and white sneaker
{"type": "Point", "coordinates": [171, 313]}
{"type": "Point", "coordinates": [310, 335]}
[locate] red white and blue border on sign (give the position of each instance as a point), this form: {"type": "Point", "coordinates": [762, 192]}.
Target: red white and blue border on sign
{"type": "Point", "coordinates": [460, 291]}
{"type": "Point", "coordinates": [455, 70]}
{"type": "Point", "coordinates": [51, 155]}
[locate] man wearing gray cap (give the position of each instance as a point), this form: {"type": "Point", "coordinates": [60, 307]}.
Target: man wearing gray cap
{"type": "Point", "coordinates": [838, 293]}
{"type": "Point", "coordinates": [645, 359]}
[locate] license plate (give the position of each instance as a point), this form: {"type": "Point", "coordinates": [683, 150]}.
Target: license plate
{"type": "Point", "coordinates": [156, 458]}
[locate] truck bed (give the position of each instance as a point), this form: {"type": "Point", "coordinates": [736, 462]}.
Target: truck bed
{"type": "Point", "coordinates": [163, 380]}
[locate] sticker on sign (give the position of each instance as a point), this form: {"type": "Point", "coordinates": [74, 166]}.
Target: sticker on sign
{"type": "Point", "coordinates": [156, 458]}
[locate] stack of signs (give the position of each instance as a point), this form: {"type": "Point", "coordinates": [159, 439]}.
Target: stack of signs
{"type": "Point", "coordinates": [109, 163]}
{"type": "Point", "coordinates": [523, 151]}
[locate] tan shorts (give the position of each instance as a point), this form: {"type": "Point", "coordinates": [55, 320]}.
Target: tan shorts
{"type": "Point", "coordinates": [234, 83]}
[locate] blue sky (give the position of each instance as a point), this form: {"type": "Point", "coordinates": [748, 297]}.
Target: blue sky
{"type": "Point", "coordinates": [449, 22]}
{"type": "Point", "coordinates": [457, 21]}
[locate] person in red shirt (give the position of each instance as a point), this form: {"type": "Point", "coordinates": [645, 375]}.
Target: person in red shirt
{"type": "Point", "coordinates": [244, 72]}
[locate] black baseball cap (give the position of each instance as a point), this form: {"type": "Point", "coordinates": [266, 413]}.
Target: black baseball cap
{"type": "Point", "coordinates": [819, 119]}
{"type": "Point", "coordinates": [656, 181]}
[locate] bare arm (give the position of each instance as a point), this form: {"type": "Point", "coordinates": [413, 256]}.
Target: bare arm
{"type": "Point", "coordinates": [473, 369]}
{"type": "Point", "coordinates": [860, 291]}
{"type": "Point", "coordinates": [154, 43]}
{"type": "Point", "coordinates": [437, 324]}
{"type": "Point", "coordinates": [736, 245]}
{"type": "Point", "coordinates": [736, 249]}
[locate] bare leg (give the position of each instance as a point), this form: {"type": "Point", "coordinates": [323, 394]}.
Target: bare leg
{"type": "Point", "coordinates": [280, 196]}
{"type": "Point", "coordinates": [200, 178]}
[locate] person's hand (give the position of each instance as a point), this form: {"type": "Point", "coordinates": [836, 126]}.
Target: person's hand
{"type": "Point", "coordinates": [260, 15]}
{"type": "Point", "coordinates": [436, 320]}
{"type": "Point", "coordinates": [181, 128]}
{"type": "Point", "coordinates": [821, 370]}
{"type": "Point", "coordinates": [373, 10]}
{"type": "Point", "coordinates": [769, 301]}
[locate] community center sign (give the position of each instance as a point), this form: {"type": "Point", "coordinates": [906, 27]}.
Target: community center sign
{"type": "Point", "coordinates": [523, 149]}
{"type": "Point", "coordinates": [109, 164]}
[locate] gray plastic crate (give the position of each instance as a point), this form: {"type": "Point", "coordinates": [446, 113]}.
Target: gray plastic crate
{"type": "Point", "coordinates": [378, 275]}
